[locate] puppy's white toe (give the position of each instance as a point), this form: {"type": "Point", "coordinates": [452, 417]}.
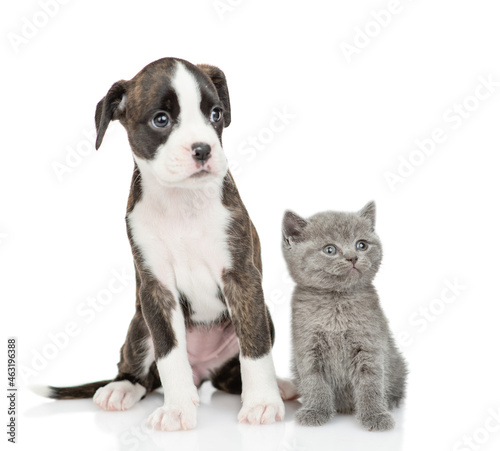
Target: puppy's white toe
{"type": "Point", "coordinates": [174, 417]}
{"type": "Point", "coordinates": [262, 412]}
{"type": "Point", "coordinates": [120, 395]}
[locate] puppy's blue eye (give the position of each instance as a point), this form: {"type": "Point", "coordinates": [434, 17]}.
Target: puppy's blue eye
{"type": "Point", "coordinates": [361, 245]}
{"type": "Point", "coordinates": [161, 119]}
{"type": "Point", "coordinates": [216, 114]}
{"type": "Point", "coordinates": [330, 249]}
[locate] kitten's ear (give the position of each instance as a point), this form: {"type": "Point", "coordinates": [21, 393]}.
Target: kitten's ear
{"type": "Point", "coordinates": [368, 212]}
{"type": "Point", "coordinates": [293, 225]}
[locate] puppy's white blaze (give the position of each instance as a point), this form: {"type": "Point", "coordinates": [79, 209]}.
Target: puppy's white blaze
{"type": "Point", "coordinates": [175, 371]}
{"type": "Point", "coordinates": [173, 163]}
{"type": "Point", "coordinates": [193, 123]}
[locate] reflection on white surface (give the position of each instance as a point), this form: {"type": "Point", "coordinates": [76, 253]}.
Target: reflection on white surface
{"type": "Point", "coordinates": [218, 428]}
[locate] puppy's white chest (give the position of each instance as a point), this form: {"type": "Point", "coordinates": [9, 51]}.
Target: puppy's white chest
{"type": "Point", "coordinates": [184, 244]}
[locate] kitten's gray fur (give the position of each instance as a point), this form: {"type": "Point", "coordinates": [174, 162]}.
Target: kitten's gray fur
{"type": "Point", "coordinates": [344, 356]}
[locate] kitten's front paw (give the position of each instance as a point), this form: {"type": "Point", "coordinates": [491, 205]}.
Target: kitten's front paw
{"type": "Point", "coordinates": [313, 417]}
{"type": "Point", "coordinates": [379, 422]}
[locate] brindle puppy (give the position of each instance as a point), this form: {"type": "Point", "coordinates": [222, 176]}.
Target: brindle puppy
{"type": "Point", "coordinates": [200, 311]}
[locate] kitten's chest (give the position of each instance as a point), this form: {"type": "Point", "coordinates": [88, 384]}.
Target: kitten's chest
{"type": "Point", "coordinates": [344, 316]}
{"type": "Point", "coordinates": [350, 327]}
{"type": "Point", "coordinates": [341, 325]}
{"type": "Point", "coordinates": [348, 318]}
{"type": "Point", "coordinates": [339, 332]}
{"type": "Point", "coordinates": [185, 248]}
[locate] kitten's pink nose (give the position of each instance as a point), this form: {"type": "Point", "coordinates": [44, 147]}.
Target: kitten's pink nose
{"type": "Point", "coordinates": [353, 260]}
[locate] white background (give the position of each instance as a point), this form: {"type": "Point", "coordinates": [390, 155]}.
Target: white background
{"type": "Point", "coordinates": [63, 237]}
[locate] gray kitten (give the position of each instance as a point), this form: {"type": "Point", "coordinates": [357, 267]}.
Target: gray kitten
{"type": "Point", "coordinates": [344, 356]}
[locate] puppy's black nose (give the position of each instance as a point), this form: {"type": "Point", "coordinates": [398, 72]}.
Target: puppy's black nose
{"type": "Point", "coordinates": [201, 151]}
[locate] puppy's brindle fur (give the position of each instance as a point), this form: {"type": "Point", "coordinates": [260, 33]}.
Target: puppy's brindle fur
{"type": "Point", "coordinates": [154, 352]}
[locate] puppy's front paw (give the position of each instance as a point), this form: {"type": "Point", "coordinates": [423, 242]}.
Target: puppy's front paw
{"type": "Point", "coordinates": [378, 422]}
{"type": "Point", "coordinates": [175, 417]}
{"type": "Point", "coordinates": [312, 417]}
{"type": "Point", "coordinates": [265, 412]}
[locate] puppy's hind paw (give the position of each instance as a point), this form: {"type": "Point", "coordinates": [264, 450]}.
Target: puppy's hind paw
{"type": "Point", "coordinates": [119, 395]}
{"type": "Point", "coordinates": [288, 390]}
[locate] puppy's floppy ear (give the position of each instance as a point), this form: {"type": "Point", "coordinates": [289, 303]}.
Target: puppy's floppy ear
{"type": "Point", "coordinates": [368, 212]}
{"type": "Point", "coordinates": [110, 108]}
{"type": "Point", "coordinates": [293, 226]}
{"type": "Point", "coordinates": [219, 80]}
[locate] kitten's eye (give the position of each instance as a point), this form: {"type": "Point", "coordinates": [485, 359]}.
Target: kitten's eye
{"type": "Point", "coordinates": [330, 249]}
{"type": "Point", "coordinates": [160, 119]}
{"type": "Point", "coordinates": [361, 246]}
{"type": "Point", "coordinates": [216, 114]}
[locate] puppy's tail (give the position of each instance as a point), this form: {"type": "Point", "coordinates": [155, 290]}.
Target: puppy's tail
{"type": "Point", "coordinates": [75, 392]}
